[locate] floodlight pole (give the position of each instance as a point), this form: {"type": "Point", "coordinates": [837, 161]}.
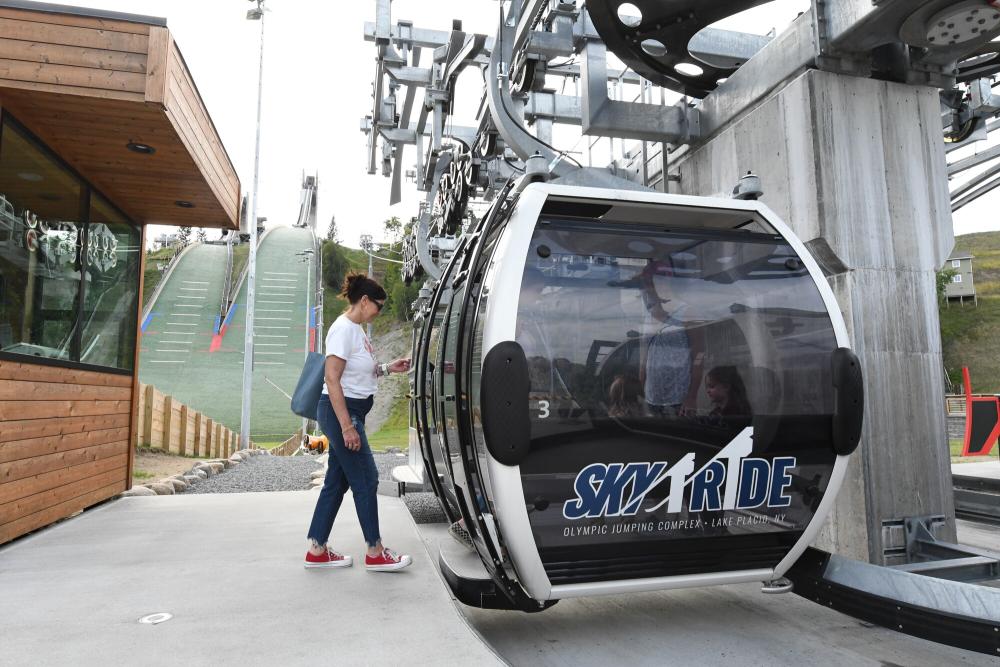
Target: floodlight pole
{"type": "Point", "coordinates": [257, 14]}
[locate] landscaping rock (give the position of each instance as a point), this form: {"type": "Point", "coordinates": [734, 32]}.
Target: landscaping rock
{"type": "Point", "coordinates": [216, 466]}
{"type": "Point", "coordinates": [162, 489]}
{"type": "Point", "coordinates": [191, 479]}
{"type": "Point", "coordinates": [319, 474]}
{"type": "Point", "coordinates": [179, 484]}
{"type": "Point", "coordinates": [198, 472]}
{"type": "Point", "coordinates": [138, 491]}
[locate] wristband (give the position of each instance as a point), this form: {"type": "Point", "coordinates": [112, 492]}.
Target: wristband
{"type": "Point", "coordinates": [348, 428]}
{"type": "Point", "coordinates": [384, 369]}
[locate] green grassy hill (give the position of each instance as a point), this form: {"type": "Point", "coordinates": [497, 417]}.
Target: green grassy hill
{"type": "Point", "coordinates": [971, 335]}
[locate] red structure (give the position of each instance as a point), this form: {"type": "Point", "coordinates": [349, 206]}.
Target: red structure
{"type": "Point", "coordinates": [982, 421]}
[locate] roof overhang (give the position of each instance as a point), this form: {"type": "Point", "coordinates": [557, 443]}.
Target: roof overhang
{"type": "Point", "coordinates": [89, 84]}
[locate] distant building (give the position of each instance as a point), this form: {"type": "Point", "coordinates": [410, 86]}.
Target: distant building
{"type": "Point", "coordinates": [962, 285]}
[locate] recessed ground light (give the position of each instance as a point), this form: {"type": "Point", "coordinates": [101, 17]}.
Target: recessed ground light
{"type": "Point", "coordinates": [29, 176]}
{"type": "Point", "coordinates": [629, 15]}
{"type": "Point", "coordinates": [156, 619]}
{"type": "Point", "coordinates": [180, 203]}
{"type": "Point", "coordinates": [136, 147]}
{"type": "Point", "coordinates": [689, 69]}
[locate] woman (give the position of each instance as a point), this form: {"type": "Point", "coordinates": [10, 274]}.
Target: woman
{"type": "Point", "coordinates": [351, 373]}
{"type": "Point", "coordinates": [727, 393]}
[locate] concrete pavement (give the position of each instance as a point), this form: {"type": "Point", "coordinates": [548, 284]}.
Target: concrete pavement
{"type": "Point", "coordinates": [228, 567]}
{"type": "Point", "coordinates": [725, 625]}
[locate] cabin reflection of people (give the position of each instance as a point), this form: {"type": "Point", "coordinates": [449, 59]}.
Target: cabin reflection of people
{"type": "Point", "coordinates": [669, 359]}
{"type": "Point", "coordinates": [728, 395]}
{"type": "Point", "coordinates": [547, 383]}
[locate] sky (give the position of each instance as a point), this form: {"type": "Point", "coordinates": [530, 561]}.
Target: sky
{"type": "Point", "coordinates": [318, 74]}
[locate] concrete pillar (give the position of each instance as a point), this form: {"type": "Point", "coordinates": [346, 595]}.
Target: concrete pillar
{"type": "Point", "coordinates": [857, 168]}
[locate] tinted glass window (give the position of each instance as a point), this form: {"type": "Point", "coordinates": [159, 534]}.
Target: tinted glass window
{"type": "Point", "coordinates": [646, 347]}
{"type": "Point", "coordinates": [40, 238]}
{"type": "Point", "coordinates": [68, 287]}
{"type": "Point", "coordinates": [113, 256]}
{"type": "Point", "coordinates": [626, 325]}
{"type": "Point", "coordinates": [448, 380]}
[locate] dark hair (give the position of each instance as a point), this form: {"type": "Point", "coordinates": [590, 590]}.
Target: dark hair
{"type": "Point", "coordinates": [738, 403]}
{"type": "Point", "coordinates": [357, 285]}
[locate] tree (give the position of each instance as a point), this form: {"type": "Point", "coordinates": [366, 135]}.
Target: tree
{"type": "Point", "coordinates": [944, 277]}
{"type": "Point", "coordinates": [393, 231]}
{"type": "Point", "coordinates": [400, 298]}
{"type": "Point", "coordinates": [184, 234]}
{"type": "Point", "coordinates": [334, 265]}
{"type": "Point", "coordinates": [331, 231]}
{"type": "Point", "coordinates": [202, 235]}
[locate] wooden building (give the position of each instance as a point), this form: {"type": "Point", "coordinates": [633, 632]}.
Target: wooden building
{"type": "Point", "coordinates": [102, 131]}
{"type": "Point", "coordinates": [962, 285]}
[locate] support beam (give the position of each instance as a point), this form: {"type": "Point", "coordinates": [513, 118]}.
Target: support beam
{"type": "Point", "coordinates": [974, 160]}
{"type": "Point", "coordinates": [604, 117]}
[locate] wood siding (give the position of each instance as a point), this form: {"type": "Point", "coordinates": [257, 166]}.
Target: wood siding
{"type": "Point", "coordinates": [88, 86]}
{"type": "Point", "coordinates": [64, 443]}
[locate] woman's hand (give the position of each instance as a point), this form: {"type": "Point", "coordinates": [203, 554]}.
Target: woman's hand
{"type": "Point", "coordinates": [399, 366]}
{"type": "Point", "coordinates": [352, 439]}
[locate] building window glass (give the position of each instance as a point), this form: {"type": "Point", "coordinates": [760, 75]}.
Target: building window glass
{"type": "Point", "coordinates": [956, 263]}
{"type": "Point", "coordinates": [112, 290]}
{"type": "Point", "coordinates": [69, 262]}
{"type": "Point", "coordinates": [956, 279]}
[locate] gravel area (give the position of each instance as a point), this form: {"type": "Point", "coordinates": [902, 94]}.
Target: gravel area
{"type": "Point", "coordinates": [261, 473]}
{"type": "Point", "coordinates": [294, 473]}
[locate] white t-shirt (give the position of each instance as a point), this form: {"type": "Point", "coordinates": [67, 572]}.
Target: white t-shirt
{"type": "Point", "coordinates": [347, 340]}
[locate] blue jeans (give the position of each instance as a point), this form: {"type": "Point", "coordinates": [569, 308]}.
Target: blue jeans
{"type": "Point", "coordinates": [346, 469]}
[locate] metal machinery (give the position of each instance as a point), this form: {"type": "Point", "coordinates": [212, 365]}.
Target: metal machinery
{"type": "Point", "coordinates": [558, 297]}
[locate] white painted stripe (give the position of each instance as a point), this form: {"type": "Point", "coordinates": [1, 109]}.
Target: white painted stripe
{"type": "Point", "coordinates": [181, 296]}
{"type": "Point", "coordinates": [280, 287]}
{"type": "Point", "coordinates": [268, 326]}
{"type": "Point", "coordinates": [178, 333]}
{"type": "Point", "coordinates": [194, 282]}
{"type": "Point", "coordinates": [262, 310]}
{"type": "Point", "coordinates": [270, 336]}
{"type": "Point", "coordinates": [271, 319]}
{"type": "Point", "coordinates": [185, 314]}
{"type": "Point", "coordinates": [286, 303]}
{"type": "Point", "coordinates": [165, 361]}
{"type": "Point", "coordinates": [282, 280]}
{"type": "Point", "coordinates": [269, 363]}
{"type": "Point", "coordinates": [180, 324]}
{"type": "Point", "coordinates": [178, 342]}
{"type": "Point", "coordinates": [270, 344]}
{"type": "Point", "coordinates": [280, 354]}
{"type": "Point", "coordinates": [194, 289]}
{"type": "Point", "coordinates": [186, 305]}
{"type": "Point", "coordinates": [279, 273]}
{"type": "Point", "coordinates": [182, 351]}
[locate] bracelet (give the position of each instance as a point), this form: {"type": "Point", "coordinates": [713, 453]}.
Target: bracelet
{"type": "Point", "coordinates": [384, 369]}
{"type": "Point", "coordinates": [351, 427]}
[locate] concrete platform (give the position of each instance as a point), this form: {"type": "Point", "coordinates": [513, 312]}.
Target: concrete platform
{"type": "Point", "coordinates": [730, 625]}
{"type": "Point", "coordinates": [989, 468]}
{"type": "Point", "coordinates": [228, 567]}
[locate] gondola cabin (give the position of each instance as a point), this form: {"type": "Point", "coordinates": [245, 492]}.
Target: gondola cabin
{"type": "Point", "coordinates": [625, 391]}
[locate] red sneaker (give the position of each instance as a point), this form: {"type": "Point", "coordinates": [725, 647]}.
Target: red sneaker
{"type": "Point", "coordinates": [387, 561]}
{"type": "Point", "coordinates": [328, 558]}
